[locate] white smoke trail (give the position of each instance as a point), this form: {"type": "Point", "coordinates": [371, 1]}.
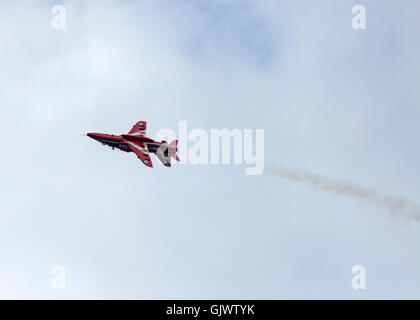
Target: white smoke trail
{"type": "Point", "coordinates": [393, 204]}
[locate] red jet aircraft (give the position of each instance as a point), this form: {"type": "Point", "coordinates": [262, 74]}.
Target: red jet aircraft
{"type": "Point", "coordinates": [136, 141]}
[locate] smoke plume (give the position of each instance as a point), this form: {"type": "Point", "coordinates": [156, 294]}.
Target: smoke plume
{"type": "Point", "coordinates": [393, 204]}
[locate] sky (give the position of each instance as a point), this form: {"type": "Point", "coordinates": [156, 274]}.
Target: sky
{"type": "Point", "coordinates": [332, 101]}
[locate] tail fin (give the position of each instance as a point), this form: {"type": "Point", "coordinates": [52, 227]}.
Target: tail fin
{"type": "Point", "coordinates": [174, 144]}
{"type": "Point", "coordinates": [173, 148]}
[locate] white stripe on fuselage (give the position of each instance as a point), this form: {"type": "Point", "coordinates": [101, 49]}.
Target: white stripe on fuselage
{"type": "Point", "coordinates": [138, 133]}
{"type": "Point", "coordinates": [144, 150]}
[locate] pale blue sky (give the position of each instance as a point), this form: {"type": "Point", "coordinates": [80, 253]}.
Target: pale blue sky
{"type": "Point", "coordinates": [331, 100]}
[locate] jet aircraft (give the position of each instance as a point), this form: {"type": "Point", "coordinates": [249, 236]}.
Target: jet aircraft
{"type": "Point", "coordinates": [136, 141]}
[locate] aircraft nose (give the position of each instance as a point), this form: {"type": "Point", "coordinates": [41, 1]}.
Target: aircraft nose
{"type": "Point", "coordinates": [93, 135]}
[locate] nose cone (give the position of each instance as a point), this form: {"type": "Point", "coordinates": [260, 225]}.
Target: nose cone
{"type": "Point", "coordinates": [94, 136]}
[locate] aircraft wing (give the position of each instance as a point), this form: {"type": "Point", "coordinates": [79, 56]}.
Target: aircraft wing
{"type": "Point", "coordinates": [141, 152]}
{"type": "Point", "coordinates": [139, 128]}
